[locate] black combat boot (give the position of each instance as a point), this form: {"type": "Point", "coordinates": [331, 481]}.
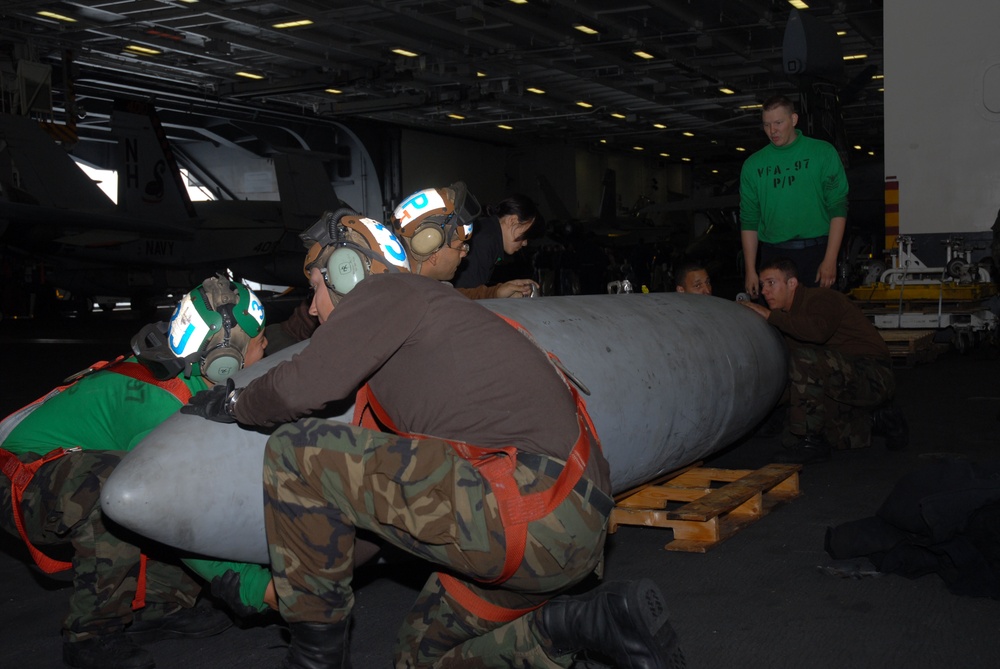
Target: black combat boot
{"type": "Point", "coordinates": [112, 651]}
{"type": "Point", "coordinates": [808, 450]}
{"type": "Point", "coordinates": [623, 622]}
{"type": "Point", "coordinates": [889, 422]}
{"type": "Point", "coordinates": [318, 646]}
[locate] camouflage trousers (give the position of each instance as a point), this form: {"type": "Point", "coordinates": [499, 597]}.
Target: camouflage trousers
{"type": "Point", "coordinates": [62, 516]}
{"type": "Point", "coordinates": [832, 394]}
{"type": "Point", "coordinates": [322, 480]}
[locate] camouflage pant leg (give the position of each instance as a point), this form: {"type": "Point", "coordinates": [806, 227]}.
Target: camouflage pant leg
{"type": "Point", "coordinates": [61, 508]}
{"type": "Point", "coordinates": [832, 394]}
{"type": "Point", "coordinates": [322, 480]}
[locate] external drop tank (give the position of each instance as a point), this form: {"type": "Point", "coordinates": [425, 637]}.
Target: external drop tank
{"type": "Point", "coordinates": [672, 378]}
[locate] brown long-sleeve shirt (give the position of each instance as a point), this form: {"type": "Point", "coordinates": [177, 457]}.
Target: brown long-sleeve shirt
{"type": "Point", "coordinates": [439, 363]}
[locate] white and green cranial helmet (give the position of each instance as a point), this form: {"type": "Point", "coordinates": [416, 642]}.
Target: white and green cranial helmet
{"type": "Point", "coordinates": [207, 335]}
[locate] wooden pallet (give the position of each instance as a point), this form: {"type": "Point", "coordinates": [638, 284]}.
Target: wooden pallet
{"type": "Point", "coordinates": [909, 347]}
{"type": "Point", "coordinates": [701, 515]}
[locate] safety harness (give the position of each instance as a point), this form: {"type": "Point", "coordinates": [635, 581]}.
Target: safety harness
{"type": "Point", "coordinates": [497, 465]}
{"type": "Point", "coordinates": [20, 473]}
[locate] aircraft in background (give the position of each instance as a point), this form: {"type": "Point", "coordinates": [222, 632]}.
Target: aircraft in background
{"type": "Point", "coordinates": [155, 241]}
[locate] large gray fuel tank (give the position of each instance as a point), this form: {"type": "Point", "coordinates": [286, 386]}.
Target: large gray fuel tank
{"type": "Point", "coordinates": [672, 377]}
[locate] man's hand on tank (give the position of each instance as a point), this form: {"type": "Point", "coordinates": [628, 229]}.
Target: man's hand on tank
{"type": "Point", "coordinates": [216, 403]}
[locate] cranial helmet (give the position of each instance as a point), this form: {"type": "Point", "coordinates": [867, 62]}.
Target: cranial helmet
{"type": "Point", "coordinates": [346, 248]}
{"type": "Point", "coordinates": [433, 217]}
{"type": "Point", "coordinates": [207, 335]}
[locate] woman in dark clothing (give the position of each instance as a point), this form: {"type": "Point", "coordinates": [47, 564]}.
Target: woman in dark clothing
{"type": "Point", "coordinates": [503, 230]}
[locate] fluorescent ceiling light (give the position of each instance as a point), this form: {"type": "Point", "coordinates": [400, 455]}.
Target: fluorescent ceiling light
{"type": "Point", "coordinates": [688, 134]}
{"type": "Point", "coordinates": [333, 91]}
{"type": "Point", "coordinates": [587, 30]}
{"type": "Point", "coordinates": [404, 52]}
{"type": "Point", "coordinates": [639, 148]}
{"type": "Point", "coordinates": [798, 4]}
{"type": "Point", "coordinates": [57, 17]}
{"type": "Point", "coordinates": [480, 74]}
{"type": "Point", "coordinates": [504, 126]}
{"type": "Point", "coordinates": [856, 56]}
{"type": "Point", "coordinates": [740, 148]}
{"type": "Point", "coordinates": [292, 24]}
{"type": "Point", "coordinates": [585, 105]}
{"type": "Point", "coordinates": [664, 154]}
{"type": "Point", "coordinates": [145, 50]}
{"type": "Point", "coordinates": [758, 106]}
{"type": "Point", "coordinates": [617, 115]}
{"type": "Point", "coordinates": [644, 55]}
{"type": "Point", "coordinates": [686, 160]}
{"type": "Point", "coordinates": [536, 91]}
{"type": "Point", "coordinates": [659, 126]}
{"type": "Point", "coordinates": [727, 91]}
{"type": "Point", "coordinates": [519, 2]}
{"type": "Point", "coordinates": [249, 75]}
{"type": "Point", "coordinates": [457, 117]}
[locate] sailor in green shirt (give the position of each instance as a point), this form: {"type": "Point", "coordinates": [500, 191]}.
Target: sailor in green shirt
{"type": "Point", "coordinates": [217, 329]}
{"type": "Point", "coordinates": [793, 201]}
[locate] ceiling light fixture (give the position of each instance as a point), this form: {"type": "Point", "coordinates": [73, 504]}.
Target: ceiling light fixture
{"type": "Point", "coordinates": [536, 91]}
{"type": "Point", "coordinates": [878, 76]}
{"type": "Point", "coordinates": [639, 148]}
{"type": "Point", "coordinates": [727, 91]}
{"type": "Point", "coordinates": [686, 160]}
{"type": "Point", "coordinates": [298, 23]}
{"type": "Point", "coordinates": [404, 52]}
{"type": "Point", "coordinates": [519, 2]}
{"type": "Point", "coordinates": [659, 126]}
{"type": "Point", "coordinates": [585, 105]}
{"type": "Point", "coordinates": [688, 133]}
{"type": "Point", "coordinates": [480, 74]}
{"type": "Point", "coordinates": [617, 115]}
{"type": "Point", "coordinates": [740, 148]}
{"type": "Point", "coordinates": [144, 50]}
{"type": "Point", "coordinates": [333, 91]}
{"type": "Point", "coordinates": [664, 154]}
{"type": "Point", "coordinates": [644, 55]}
{"type": "Point", "coordinates": [856, 56]}
{"type": "Point", "coordinates": [457, 117]}
{"type": "Point", "coordinates": [57, 17]}
{"type": "Point", "coordinates": [798, 4]}
{"type": "Point", "coordinates": [587, 30]}
{"type": "Point", "coordinates": [757, 106]}
{"type": "Point", "coordinates": [249, 75]}
{"type": "Point", "coordinates": [504, 126]}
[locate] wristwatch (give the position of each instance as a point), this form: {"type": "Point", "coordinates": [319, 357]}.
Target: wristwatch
{"type": "Point", "coordinates": [230, 406]}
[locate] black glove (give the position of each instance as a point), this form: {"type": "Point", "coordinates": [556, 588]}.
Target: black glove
{"type": "Point", "coordinates": [214, 403]}
{"type": "Point", "coordinates": [226, 589]}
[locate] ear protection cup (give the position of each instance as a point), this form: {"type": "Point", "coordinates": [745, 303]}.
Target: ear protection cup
{"type": "Point", "coordinates": [427, 239]}
{"type": "Point", "coordinates": [345, 269]}
{"type": "Point", "coordinates": [221, 363]}
{"type": "Point", "coordinates": [223, 358]}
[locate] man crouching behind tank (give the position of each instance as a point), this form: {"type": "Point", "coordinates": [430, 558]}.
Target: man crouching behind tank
{"type": "Point", "coordinates": [59, 451]}
{"type": "Point", "coordinates": [473, 477]}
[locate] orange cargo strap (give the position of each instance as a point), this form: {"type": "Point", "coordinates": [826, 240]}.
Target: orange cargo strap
{"type": "Point", "coordinates": [20, 474]}
{"type": "Point", "coordinates": [497, 466]}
